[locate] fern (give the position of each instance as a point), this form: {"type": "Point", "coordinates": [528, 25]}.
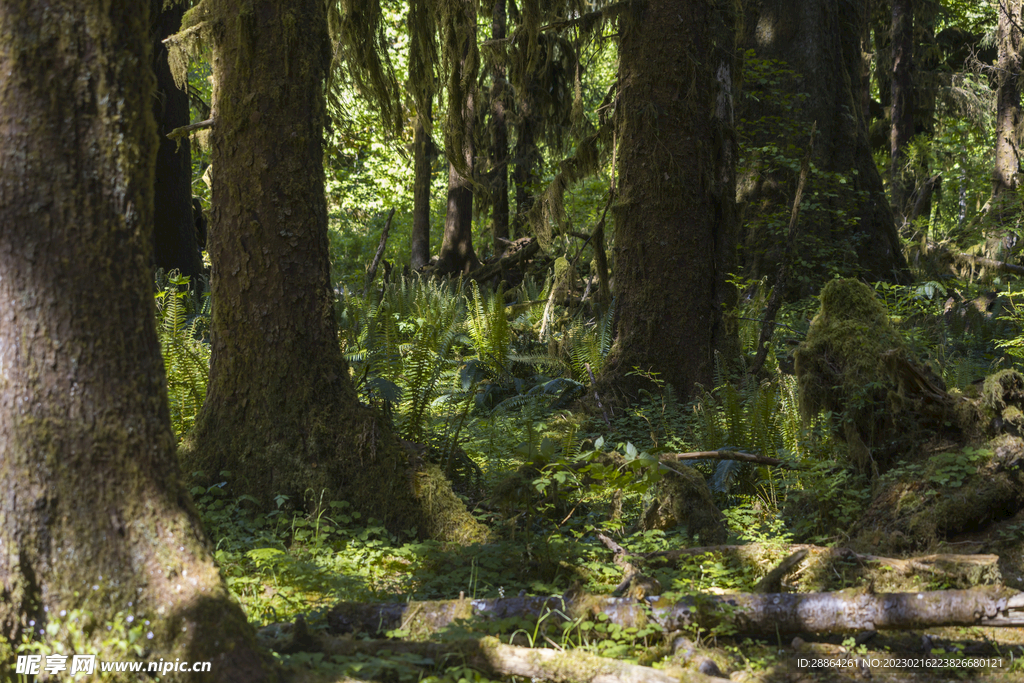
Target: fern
{"type": "Point", "coordinates": [186, 356]}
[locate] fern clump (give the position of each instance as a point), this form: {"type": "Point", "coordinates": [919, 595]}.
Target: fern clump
{"type": "Point", "coordinates": [181, 326]}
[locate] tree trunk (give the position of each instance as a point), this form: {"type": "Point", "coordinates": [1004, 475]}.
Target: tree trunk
{"type": "Point", "coordinates": [95, 515]}
{"type": "Point", "coordinates": [1008, 93]}
{"type": "Point", "coordinates": [672, 216]}
{"type": "Point", "coordinates": [457, 255]}
{"type": "Point", "coordinates": [849, 228]}
{"type": "Point", "coordinates": [174, 228]}
{"type": "Point", "coordinates": [420, 243]}
{"type": "Point", "coordinates": [499, 137]}
{"type": "Point", "coordinates": [902, 103]}
{"type": "Point", "coordinates": [281, 413]}
{"type": "Point", "coordinates": [526, 162]}
{"type": "Point", "coordinates": [756, 614]}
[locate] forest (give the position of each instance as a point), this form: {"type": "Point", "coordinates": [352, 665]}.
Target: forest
{"type": "Point", "coordinates": [457, 341]}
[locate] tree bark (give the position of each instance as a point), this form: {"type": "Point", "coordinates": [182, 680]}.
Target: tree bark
{"type": "Point", "coordinates": [422, 160]}
{"type": "Point", "coordinates": [457, 254]}
{"type": "Point", "coordinates": [902, 103]}
{"type": "Point", "coordinates": [174, 228]}
{"type": "Point", "coordinates": [281, 413]}
{"type": "Point", "coordinates": [850, 229]}
{"type": "Point", "coordinates": [499, 137]}
{"type": "Point", "coordinates": [755, 614]}
{"type": "Point", "coordinates": [526, 161]}
{"type": "Point", "coordinates": [673, 208]}
{"type": "Point", "coordinates": [94, 514]}
{"type": "Point", "coordinates": [1006, 176]}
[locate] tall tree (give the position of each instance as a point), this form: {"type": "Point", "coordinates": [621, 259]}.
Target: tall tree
{"type": "Point", "coordinates": [280, 410]}
{"type": "Point", "coordinates": [902, 113]}
{"type": "Point", "coordinates": [851, 226]}
{"type": "Point", "coordinates": [422, 63]}
{"type": "Point", "coordinates": [672, 219]}
{"type": "Point", "coordinates": [174, 228]}
{"type": "Point", "coordinates": [95, 515]}
{"type": "Point", "coordinates": [1009, 73]}
{"type": "Point", "coordinates": [499, 134]}
{"type": "Point", "coordinates": [463, 60]}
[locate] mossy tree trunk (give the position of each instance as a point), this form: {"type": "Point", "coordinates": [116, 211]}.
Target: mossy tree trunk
{"type": "Point", "coordinates": [1006, 176]}
{"type": "Point", "coordinates": [526, 161]}
{"type": "Point", "coordinates": [174, 230]}
{"type": "Point", "coordinates": [499, 136]}
{"type": "Point", "coordinates": [457, 254]}
{"type": "Point", "coordinates": [846, 225]}
{"type": "Point", "coordinates": [422, 172]}
{"type": "Point", "coordinates": [902, 115]}
{"type": "Point", "coordinates": [422, 27]}
{"type": "Point", "coordinates": [94, 514]}
{"type": "Point", "coordinates": [672, 220]}
{"type": "Point", "coordinates": [281, 413]}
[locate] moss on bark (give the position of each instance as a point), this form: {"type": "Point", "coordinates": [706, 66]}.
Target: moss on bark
{"type": "Point", "coordinates": [281, 413]}
{"type": "Point", "coordinates": [94, 518]}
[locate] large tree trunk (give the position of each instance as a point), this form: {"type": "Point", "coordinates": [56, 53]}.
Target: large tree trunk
{"type": "Point", "coordinates": [457, 254]}
{"type": "Point", "coordinates": [672, 217]}
{"type": "Point", "coordinates": [281, 413]}
{"type": "Point", "coordinates": [94, 513]}
{"type": "Point", "coordinates": [1006, 176]}
{"type": "Point", "coordinates": [526, 162]}
{"type": "Point", "coordinates": [422, 162]}
{"type": "Point", "coordinates": [850, 229]}
{"type": "Point", "coordinates": [174, 229]}
{"type": "Point", "coordinates": [902, 103]}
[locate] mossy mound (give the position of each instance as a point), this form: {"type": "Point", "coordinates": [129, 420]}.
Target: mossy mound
{"type": "Point", "coordinates": [683, 497]}
{"type": "Point", "coordinates": [855, 365]}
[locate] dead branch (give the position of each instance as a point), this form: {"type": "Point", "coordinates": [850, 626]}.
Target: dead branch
{"type": "Point", "coordinates": [772, 581]}
{"type": "Point", "coordinates": [371, 271]}
{"type": "Point", "coordinates": [518, 257]}
{"type": "Point", "coordinates": [781, 280]}
{"type": "Point", "coordinates": [182, 131]}
{"type": "Point", "coordinates": [990, 263]}
{"type": "Point", "coordinates": [723, 454]}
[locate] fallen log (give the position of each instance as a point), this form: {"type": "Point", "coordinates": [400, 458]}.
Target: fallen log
{"type": "Point", "coordinates": [750, 614]}
{"type": "Point", "coordinates": [955, 570]}
{"type": "Point", "coordinates": [519, 257]}
{"type": "Point", "coordinates": [724, 454]}
{"type": "Point", "coordinates": [493, 658]}
{"type": "Point", "coordinates": [989, 263]}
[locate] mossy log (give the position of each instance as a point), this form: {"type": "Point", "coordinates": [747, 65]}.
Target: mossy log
{"type": "Point", "coordinates": [822, 567]}
{"type": "Point", "coordinates": [753, 614]}
{"type": "Point", "coordinates": [491, 657]}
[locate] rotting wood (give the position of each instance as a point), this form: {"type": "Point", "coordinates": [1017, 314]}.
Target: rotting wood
{"type": "Point", "coordinates": [740, 613]}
